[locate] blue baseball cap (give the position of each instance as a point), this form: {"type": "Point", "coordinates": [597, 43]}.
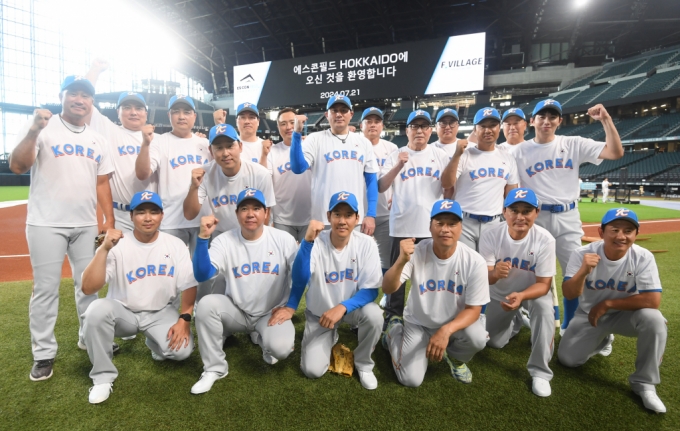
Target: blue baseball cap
{"type": "Point", "coordinates": [77, 81]}
{"type": "Point", "coordinates": [372, 111]}
{"type": "Point", "coordinates": [339, 98]}
{"type": "Point", "coordinates": [447, 112]}
{"type": "Point", "coordinates": [446, 206]}
{"type": "Point", "coordinates": [253, 194]}
{"type": "Point", "coordinates": [130, 95]}
{"type": "Point", "coordinates": [485, 113]}
{"type": "Point", "coordinates": [419, 113]}
{"type": "Point", "coordinates": [174, 100]}
{"type": "Point", "coordinates": [247, 107]}
{"type": "Point", "coordinates": [222, 130]}
{"type": "Point", "coordinates": [521, 195]}
{"type": "Point", "coordinates": [620, 214]}
{"type": "Point", "coordinates": [514, 112]}
{"type": "Point", "coordinates": [547, 104]}
{"type": "Point", "coordinates": [146, 197]}
{"type": "Point", "coordinates": [344, 198]}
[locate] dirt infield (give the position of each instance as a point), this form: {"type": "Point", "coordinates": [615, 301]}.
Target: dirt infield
{"type": "Point", "coordinates": [16, 265]}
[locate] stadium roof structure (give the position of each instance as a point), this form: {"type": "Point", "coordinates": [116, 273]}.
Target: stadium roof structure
{"type": "Point", "coordinates": [218, 34]}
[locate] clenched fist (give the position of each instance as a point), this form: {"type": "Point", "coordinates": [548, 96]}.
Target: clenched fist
{"type": "Point", "coordinates": [460, 147]}
{"type": "Point", "coordinates": [502, 270]}
{"type": "Point", "coordinates": [266, 147]}
{"type": "Point", "coordinates": [99, 64]}
{"type": "Point", "coordinates": [598, 112]}
{"type": "Point", "coordinates": [220, 116]}
{"type": "Point", "coordinates": [111, 239]}
{"type": "Point", "coordinates": [590, 261]}
{"type": "Point", "coordinates": [208, 225]}
{"type": "Point", "coordinates": [147, 134]}
{"type": "Point", "coordinates": [300, 122]}
{"type": "Point", "coordinates": [40, 119]}
{"type": "Point", "coordinates": [313, 230]}
{"type": "Point", "coordinates": [406, 248]}
{"type": "Point", "coordinates": [402, 158]}
{"type": "Point", "coordinates": [197, 177]}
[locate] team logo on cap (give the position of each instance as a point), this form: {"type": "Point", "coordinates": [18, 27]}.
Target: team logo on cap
{"type": "Point", "coordinates": [446, 205]}
{"type": "Point", "coordinates": [419, 112]}
{"type": "Point", "coordinates": [512, 110]}
{"type": "Point", "coordinates": [247, 105]}
{"type": "Point", "coordinates": [250, 192]}
{"type": "Point", "coordinates": [339, 97]}
{"type": "Point", "coordinates": [78, 78]}
{"type": "Point", "coordinates": [520, 194]}
{"type": "Point", "coordinates": [220, 129]}
{"type": "Point", "coordinates": [147, 196]}
{"type": "Point", "coordinates": [622, 212]}
{"type": "Point", "coordinates": [343, 196]}
{"type": "Point", "coordinates": [488, 112]}
{"type": "Point", "coordinates": [549, 102]}
{"type": "Point", "coordinates": [131, 93]}
{"type": "Point", "coordinates": [181, 96]}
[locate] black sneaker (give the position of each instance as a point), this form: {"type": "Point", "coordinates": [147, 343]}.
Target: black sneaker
{"type": "Point", "coordinates": [116, 348]}
{"type": "Point", "coordinates": [42, 370]}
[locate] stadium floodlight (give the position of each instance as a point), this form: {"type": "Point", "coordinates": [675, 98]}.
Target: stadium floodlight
{"type": "Point", "coordinates": [578, 4]}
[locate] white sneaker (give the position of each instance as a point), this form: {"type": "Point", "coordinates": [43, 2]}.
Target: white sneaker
{"type": "Point", "coordinates": [541, 387]}
{"type": "Point", "coordinates": [205, 383]}
{"type": "Point", "coordinates": [131, 337]}
{"type": "Point", "coordinates": [268, 358]}
{"type": "Point", "coordinates": [651, 401]}
{"type": "Point", "coordinates": [100, 393]}
{"type": "Point", "coordinates": [368, 380]}
{"type": "Point", "coordinates": [562, 331]}
{"type": "Point", "coordinates": [157, 357]}
{"type": "Point", "coordinates": [383, 301]}
{"type": "Point", "coordinates": [482, 318]}
{"type": "Point", "coordinates": [255, 337]}
{"type": "Point", "coordinates": [526, 321]}
{"type": "Point", "coordinates": [607, 349]}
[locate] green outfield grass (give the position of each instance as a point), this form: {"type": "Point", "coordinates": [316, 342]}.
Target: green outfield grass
{"type": "Point", "coordinates": [592, 212]}
{"type": "Point", "coordinates": [13, 193]}
{"type": "Point", "coordinates": [153, 395]}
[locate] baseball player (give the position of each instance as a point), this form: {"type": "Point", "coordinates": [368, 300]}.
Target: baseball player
{"type": "Point", "coordinates": [449, 285]}
{"type": "Point", "coordinates": [372, 127]}
{"type": "Point", "coordinates": [69, 164]}
{"type": "Point", "coordinates": [481, 176]}
{"type": "Point", "coordinates": [619, 289]}
{"type": "Point", "coordinates": [342, 268]}
{"type": "Point", "coordinates": [521, 262]}
{"type": "Point", "coordinates": [125, 142]}
{"type": "Point", "coordinates": [413, 173]}
{"type": "Point", "coordinates": [514, 124]}
{"type": "Point", "coordinates": [247, 122]}
{"type": "Point", "coordinates": [339, 160]}
{"type": "Point", "coordinates": [256, 261]}
{"type": "Point", "coordinates": [605, 190]}
{"type": "Point", "coordinates": [293, 209]}
{"type": "Point", "coordinates": [174, 156]}
{"type": "Point", "coordinates": [146, 270]}
{"type": "Point", "coordinates": [447, 130]}
{"type": "Point", "coordinates": [549, 165]}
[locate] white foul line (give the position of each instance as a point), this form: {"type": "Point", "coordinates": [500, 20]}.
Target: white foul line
{"type": "Point", "coordinates": [16, 255]}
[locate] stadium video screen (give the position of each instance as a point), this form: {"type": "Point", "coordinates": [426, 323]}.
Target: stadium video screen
{"type": "Point", "coordinates": [439, 66]}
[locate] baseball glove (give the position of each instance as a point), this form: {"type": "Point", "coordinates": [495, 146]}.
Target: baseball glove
{"type": "Point", "coordinates": [98, 240]}
{"type": "Point", "coordinates": [342, 360]}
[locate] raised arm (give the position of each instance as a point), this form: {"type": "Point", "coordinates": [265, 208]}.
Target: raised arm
{"type": "Point", "coordinates": [392, 278]}
{"type": "Point", "coordinates": [572, 287]}
{"type": "Point", "coordinates": [192, 205]}
{"type": "Point", "coordinates": [450, 174]}
{"type": "Point", "coordinates": [298, 163]}
{"type": "Point", "coordinates": [94, 276]}
{"type": "Point", "coordinates": [23, 155]}
{"type": "Point", "coordinates": [386, 180]}
{"type": "Point", "coordinates": [143, 162]}
{"type": "Point", "coordinates": [613, 149]}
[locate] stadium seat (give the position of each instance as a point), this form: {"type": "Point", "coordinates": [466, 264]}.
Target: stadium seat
{"type": "Point", "coordinates": [313, 117]}
{"type": "Point", "coordinates": [583, 81]}
{"type": "Point", "coordinates": [633, 125]}
{"type": "Point", "coordinates": [657, 61]}
{"type": "Point", "coordinates": [356, 118]}
{"type": "Point", "coordinates": [621, 69]}
{"type": "Point", "coordinates": [619, 90]}
{"type": "Point", "coordinates": [401, 115]}
{"type": "Point", "coordinates": [400, 140]}
{"type": "Point", "coordinates": [585, 96]}
{"type": "Point", "coordinates": [612, 167]}
{"type": "Point", "coordinates": [655, 83]}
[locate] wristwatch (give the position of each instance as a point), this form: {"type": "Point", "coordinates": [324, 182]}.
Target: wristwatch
{"type": "Point", "coordinates": [186, 317]}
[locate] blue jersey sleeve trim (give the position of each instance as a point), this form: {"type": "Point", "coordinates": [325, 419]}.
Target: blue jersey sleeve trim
{"type": "Point", "coordinates": [301, 274]}
{"type": "Point", "coordinates": [565, 279]}
{"type": "Point", "coordinates": [371, 193]}
{"type": "Point", "coordinates": [359, 299]}
{"type": "Point", "coordinates": [298, 164]}
{"type": "Point", "coordinates": [650, 290]}
{"type": "Point", "coordinates": [203, 268]}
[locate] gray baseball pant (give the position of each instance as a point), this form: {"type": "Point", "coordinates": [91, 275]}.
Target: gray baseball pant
{"type": "Point", "coordinates": [503, 325]}
{"type": "Point", "coordinates": [317, 341]}
{"type": "Point", "coordinates": [408, 347]}
{"type": "Point", "coordinates": [382, 237]}
{"type": "Point", "coordinates": [473, 229]}
{"type": "Point", "coordinates": [298, 232]}
{"type": "Point", "coordinates": [107, 318]}
{"type": "Point", "coordinates": [581, 341]}
{"type": "Point", "coordinates": [217, 316]}
{"type": "Point", "coordinates": [47, 246]}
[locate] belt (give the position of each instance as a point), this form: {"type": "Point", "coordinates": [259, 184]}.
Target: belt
{"type": "Point", "coordinates": [558, 208]}
{"type": "Point", "coordinates": [121, 207]}
{"type": "Point", "coordinates": [481, 218]}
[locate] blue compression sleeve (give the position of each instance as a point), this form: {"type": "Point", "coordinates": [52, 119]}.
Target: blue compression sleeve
{"type": "Point", "coordinates": [371, 193]}
{"type": "Point", "coordinates": [298, 164]}
{"type": "Point", "coordinates": [203, 268]}
{"type": "Point", "coordinates": [361, 298]}
{"type": "Point", "coordinates": [301, 273]}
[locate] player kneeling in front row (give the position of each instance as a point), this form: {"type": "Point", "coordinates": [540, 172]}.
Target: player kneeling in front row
{"type": "Point", "coordinates": [145, 270]}
{"type": "Point", "coordinates": [619, 291]}
{"type": "Point", "coordinates": [521, 262]}
{"type": "Point", "coordinates": [343, 270]}
{"type": "Point", "coordinates": [256, 260]}
{"type": "Point", "coordinates": [449, 285]}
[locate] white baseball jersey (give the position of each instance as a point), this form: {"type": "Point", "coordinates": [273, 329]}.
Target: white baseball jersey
{"type": "Point", "coordinates": [605, 185]}
{"type": "Point", "coordinates": [482, 177]}
{"type": "Point", "coordinates": [252, 151]}
{"type": "Point", "coordinates": [257, 273]}
{"type": "Point", "coordinates": [551, 170]}
{"type": "Point", "coordinates": [147, 277]}
{"type": "Point", "coordinates": [222, 191]}
{"type": "Point", "coordinates": [382, 150]}
{"type": "Point", "coordinates": [508, 147]}
{"type": "Point", "coordinates": [449, 149]}
{"type": "Point", "coordinates": [339, 274]}
{"type": "Point", "coordinates": [294, 192]}
{"type": "Point", "coordinates": [63, 191]}
{"type": "Point", "coordinates": [415, 189]}
{"type": "Point", "coordinates": [635, 273]}
{"type": "Point", "coordinates": [337, 167]}
{"type": "Point", "coordinates": [124, 145]}
{"type": "Point", "coordinates": [530, 257]}
{"type": "Point", "coordinates": [440, 289]}
{"type": "Point", "coordinates": [174, 158]}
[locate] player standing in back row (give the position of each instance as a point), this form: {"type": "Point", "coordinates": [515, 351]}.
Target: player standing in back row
{"type": "Point", "coordinates": [549, 165]}
{"type": "Point", "coordinates": [447, 130]}
{"type": "Point", "coordinates": [247, 121]}
{"type": "Point", "coordinates": [340, 160]}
